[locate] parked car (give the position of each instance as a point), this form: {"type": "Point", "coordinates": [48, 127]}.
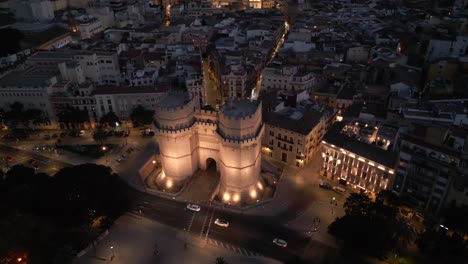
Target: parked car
{"type": "Point", "coordinates": [338, 189]}
{"type": "Point", "coordinates": [118, 133]}
{"type": "Point", "coordinates": [47, 136]}
{"type": "Point", "coordinates": [221, 222]}
{"type": "Point", "coordinates": [81, 133]}
{"type": "Point", "coordinates": [325, 185]}
{"type": "Point", "coordinates": [193, 207]}
{"type": "Point", "coordinates": [280, 242]}
{"type": "Point", "coordinates": [127, 133]}
{"type": "Point", "coordinates": [147, 132]}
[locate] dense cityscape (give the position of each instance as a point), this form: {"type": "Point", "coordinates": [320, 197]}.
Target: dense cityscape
{"type": "Point", "coordinates": [223, 131]}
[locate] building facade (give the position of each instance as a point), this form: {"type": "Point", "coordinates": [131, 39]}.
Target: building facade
{"type": "Point", "coordinates": [429, 161]}
{"type": "Point", "coordinates": [355, 163]}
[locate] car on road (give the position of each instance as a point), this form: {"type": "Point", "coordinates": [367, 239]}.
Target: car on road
{"type": "Point", "coordinates": [127, 133]}
{"type": "Point", "coordinates": [119, 133]}
{"type": "Point", "coordinates": [280, 242]}
{"type": "Point", "coordinates": [81, 133]}
{"type": "Point", "coordinates": [311, 232]}
{"type": "Point", "coordinates": [8, 159]}
{"type": "Point", "coordinates": [221, 222]}
{"type": "Point", "coordinates": [34, 163]}
{"type": "Point", "coordinates": [338, 189]}
{"type": "Point", "coordinates": [193, 207]}
{"type": "Point", "coordinates": [47, 136]}
{"type": "Point", "coordinates": [325, 185]}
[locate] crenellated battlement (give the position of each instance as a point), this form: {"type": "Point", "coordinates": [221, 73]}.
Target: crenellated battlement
{"type": "Point", "coordinates": [173, 131]}
{"type": "Point", "coordinates": [205, 123]}
{"type": "Point", "coordinates": [206, 112]}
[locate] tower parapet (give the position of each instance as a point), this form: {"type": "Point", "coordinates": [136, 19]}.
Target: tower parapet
{"type": "Point", "coordinates": [176, 111]}
{"type": "Point", "coordinates": [240, 120]}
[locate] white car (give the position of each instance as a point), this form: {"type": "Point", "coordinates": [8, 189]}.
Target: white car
{"type": "Point", "coordinates": [82, 133]}
{"type": "Point", "coordinates": [280, 242]}
{"type": "Point", "coordinates": [193, 207]}
{"type": "Point", "coordinates": [221, 222]}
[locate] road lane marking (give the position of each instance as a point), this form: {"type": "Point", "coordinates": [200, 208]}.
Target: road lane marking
{"type": "Point", "coordinates": [204, 223]}
{"type": "Point", "coordinates": [191, 222]}
{"type": "Point", "coordinates": [209, 224]}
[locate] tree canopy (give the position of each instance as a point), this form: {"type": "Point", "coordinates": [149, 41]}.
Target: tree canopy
{"type": "Point", "coordinates": [73, 116]}
{"type": "Point", "coordinates": [18, 114]}
{"type": "Point", "coordinates": [456, 217]}
{"type": "Point", "coordinates": [443, 247]}
{"type": "Point", "coordinates": [141, 116]}
{"type": "Point", "coordinates": [51, 218]}
{"type": "Point", "coordinates": [110, 119]}
{"type": "Point", "coordinates": [373, 228]}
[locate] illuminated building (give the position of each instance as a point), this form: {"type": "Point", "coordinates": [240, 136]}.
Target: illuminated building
{"type": "Point", "coordinates": [348, 159]}
{"type": "Point", "coordinates": [190, 138]}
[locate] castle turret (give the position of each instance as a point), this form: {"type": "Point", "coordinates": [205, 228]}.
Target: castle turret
{"type": "Point", "coordinates": [174, 119]}
{"type": "Point", "coordinates": [240, 129]}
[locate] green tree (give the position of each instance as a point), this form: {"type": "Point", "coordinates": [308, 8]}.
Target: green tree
{"type": "Point", "coordinates": [456, 217]}
{"type": "Point", "coordinates": [73, 116]}
{"type": "Point", "coordinates": [220, 260]}
{"type": "Point", "coordinates": [141, 116]}
{"type": "Point", "coordinates": [47, 218]}
{"type": "Point", "coordinates": [357, 204]}
{"type": "Point", "coordinates": [372, 228]}
{"type": "Point", "coordinates": [109, 119]}
{"type": "Point", "coordinates": [99, 135]}
{"type": "Point", "coordinates": [440, 246]}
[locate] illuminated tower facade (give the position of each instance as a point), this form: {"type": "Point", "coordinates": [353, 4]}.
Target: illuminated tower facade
{"type": "Point", "coordinates": [190, 138]}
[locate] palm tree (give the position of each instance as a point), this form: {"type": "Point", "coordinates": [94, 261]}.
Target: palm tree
{"type": "Point", "coordinates": [220, 260]}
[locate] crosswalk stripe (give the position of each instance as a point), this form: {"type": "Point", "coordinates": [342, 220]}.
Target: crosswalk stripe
{"type": "Point", "coordinates": [238, 250]}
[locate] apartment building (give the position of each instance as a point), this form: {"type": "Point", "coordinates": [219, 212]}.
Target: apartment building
{"type": "Point", "coordinates": [234, 82]}
{"type": "Point", "coordinates": [30, 87]}
{"type": "Point", "coordinates": [350, 158]}
{"type": "Point", "coordinates": [293, 132]}
{"type": "Point", "coordinates": [286, 77]}
{"type": "Point", "coordinates": [429, 162]}
{"type": "Point", "coordinates": [123, 99]}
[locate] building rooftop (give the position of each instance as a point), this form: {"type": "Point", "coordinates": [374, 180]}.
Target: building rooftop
{"type": "Point", "coordinates": [32, 77]}
{"type": "Point", "coordinates": [110, 89]}
{"type": "Point", "coordinates": [240, 108]}
{"type": "Point", "coordinates": [301, 122]}
{"type": "Point", "coordinates": [368, 151]}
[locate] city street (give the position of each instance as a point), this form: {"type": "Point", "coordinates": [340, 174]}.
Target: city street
{"type": "Point", "coordinates": [289, 216]}
{"type": "Point", "coordinates": [136, 239]}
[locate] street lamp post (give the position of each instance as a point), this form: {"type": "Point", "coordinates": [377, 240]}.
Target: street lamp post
{"type": "Point", "coordinates": [112, 250]}
{"type": "Point", "coordinates": [104, 148]}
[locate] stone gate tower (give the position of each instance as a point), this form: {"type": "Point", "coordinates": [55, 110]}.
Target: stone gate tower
{"type": "Point", "coordinates": [189, 138]}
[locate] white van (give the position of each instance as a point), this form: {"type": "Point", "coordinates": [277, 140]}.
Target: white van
{"type": "Point", "coordinates": [338, 189]}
